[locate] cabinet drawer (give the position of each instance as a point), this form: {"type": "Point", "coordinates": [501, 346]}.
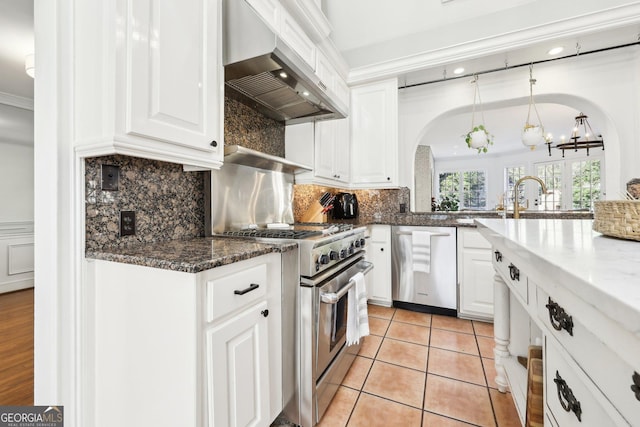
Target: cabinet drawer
{"type": "Point", "coordinates": [380, 233]}
{"type": "Point", "coordinates": [237, 290]}
{"type": "Point", "coordinates": [511, 274]}
{"type": "Point", "coordinates": [606, 369]}
{"type": "Point", "coordinates": [473, 239]}
{"type": "Point", "coordinates": [571, 398]}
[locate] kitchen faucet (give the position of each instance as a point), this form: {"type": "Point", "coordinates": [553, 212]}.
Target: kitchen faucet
{"type": "Point", "coordinates": [516, 205]}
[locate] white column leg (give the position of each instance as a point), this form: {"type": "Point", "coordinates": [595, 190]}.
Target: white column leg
{"type": "Point", "coordinates": [501, 329]}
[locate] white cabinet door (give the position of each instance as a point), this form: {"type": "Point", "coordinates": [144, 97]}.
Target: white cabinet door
{"type": "Point", "coordinates": [332, 150]}
{"type": "Point", "coordinates": [238, 370]}
{"type": "Point", "coordinates": [475, 272]}
{"type": "Point", "coordinates": [374, 134]}
{"type": "Point", "coordinates": [172, 73]}
{"type": "Point", "coordinates": [379, 253]}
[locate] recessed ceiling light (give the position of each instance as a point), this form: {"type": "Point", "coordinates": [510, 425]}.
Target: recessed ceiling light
{"type": "Point", "coordinates": [555, 50]}
{"type": "Point", "coordinates": [283, 74]}
{"type": "Point", "coordinates": [305, 93]}
{"type": "Point", "coordinates": [458, 70]}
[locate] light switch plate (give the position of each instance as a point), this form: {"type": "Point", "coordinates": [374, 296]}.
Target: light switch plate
{"type": "Point", "coordinates": [110, 177]}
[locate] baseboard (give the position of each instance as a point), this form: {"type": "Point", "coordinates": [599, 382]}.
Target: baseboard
{"type": "Point", "coordinates": [16, 286]}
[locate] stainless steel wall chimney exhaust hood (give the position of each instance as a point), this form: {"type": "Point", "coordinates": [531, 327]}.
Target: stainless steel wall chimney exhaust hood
{"type": "Point", "coordinates": [260, 66]}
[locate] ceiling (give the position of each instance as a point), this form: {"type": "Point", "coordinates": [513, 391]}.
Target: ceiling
{"type": "Point", "coordinates": [368, 35]}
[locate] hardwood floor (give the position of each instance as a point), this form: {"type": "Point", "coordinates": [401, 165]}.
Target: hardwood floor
{"type": "Point", "coordinates": [16, 348]}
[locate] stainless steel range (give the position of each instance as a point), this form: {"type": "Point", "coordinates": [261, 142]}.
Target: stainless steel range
{"type": "Point", "coordinates": [329, 256]}
{"type": "Point", "coordinates": [256, 204]}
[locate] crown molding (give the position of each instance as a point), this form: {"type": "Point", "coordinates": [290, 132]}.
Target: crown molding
{"type": "Point", "coordinates": [570, 27]}
{"type": "Point", "coordinates": [16, 101]}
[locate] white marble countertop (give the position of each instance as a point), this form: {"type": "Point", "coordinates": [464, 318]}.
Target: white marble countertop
{"type": "Point", "coordinates": [603, 271]}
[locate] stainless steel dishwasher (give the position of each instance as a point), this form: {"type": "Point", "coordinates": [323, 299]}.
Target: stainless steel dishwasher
{"type": "Point", "coordinates": [431, 284]}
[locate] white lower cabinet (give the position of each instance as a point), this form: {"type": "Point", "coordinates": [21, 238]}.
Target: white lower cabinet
{"type": "Point", "coordinates": [379, 253]}
{"type": "Point", "coordinates": [238, 369]}
{"type": "Point", "coordinates": [475, 275]}
{"type": "Point", "coordinates": [173, 348]}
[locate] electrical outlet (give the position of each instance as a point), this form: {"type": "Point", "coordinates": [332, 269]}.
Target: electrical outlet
{"type": "Point", "coordinates": [127, 223]}
{"type": "Point", "coordinates": [403, 207]}
{"type": "Point", "coordinates": [110, 177]}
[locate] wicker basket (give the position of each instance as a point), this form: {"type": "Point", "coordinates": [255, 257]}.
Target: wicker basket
{"type": "Point", "coordinates": [618, 218]}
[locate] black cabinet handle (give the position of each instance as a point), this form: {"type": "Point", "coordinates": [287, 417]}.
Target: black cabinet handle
{"type": "Point", "coordinates": [514, 273]}
{"type": "Point", "coordinates": [252, 287]}
{"type": "Point", "coordinates": [498, 256]}
{"type": "Point", "coordinates": [559, 318]}
{"type": "Point", "coordinates": [214, 143]}
{"type": "Point", "coordinates": [635, 388]}
{"type": "Point", "coordinates": [567, 399]}
{"type": "Point", "coordinates": [265, 313]}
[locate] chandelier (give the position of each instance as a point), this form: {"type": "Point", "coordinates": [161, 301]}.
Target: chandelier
{"type": "Point", "coordinates": [582, 137]}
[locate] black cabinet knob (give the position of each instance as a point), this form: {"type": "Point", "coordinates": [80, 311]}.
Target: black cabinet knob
{"type": "Point", "coordinates": [214, 143]}
{"type": "Point", "coordinates": [265, 313]}
{"type": "Point", "coordinates": [381, 249]}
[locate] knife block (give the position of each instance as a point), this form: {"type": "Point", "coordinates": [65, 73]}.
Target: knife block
{"type": "Point", "coordinates": [314, 214]}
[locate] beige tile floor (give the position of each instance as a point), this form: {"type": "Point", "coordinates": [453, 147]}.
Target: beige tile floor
{"type": "Point", "coordinates": [422, 370]}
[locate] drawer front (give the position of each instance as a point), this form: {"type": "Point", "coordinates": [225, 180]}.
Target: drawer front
{"type": "Point", "coordinates": [571, 400]}
{"type": "Point", "coordinates": [511, 274]}
{"type": "Point", "coordinates": [609, 372]}
{"type": "Point", "coordinates": [235, 291]}
{"type": "Point", "coordinates": [473, 239]}
{"type": "Point", "coordinates": [380, 233]}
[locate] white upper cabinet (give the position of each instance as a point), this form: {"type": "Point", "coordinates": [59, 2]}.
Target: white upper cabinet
{"type": "Point", "coordinates": [293, 35]}
{"type": "Point", "coordinates": [163, 88]}
{"type": "Point", "coordinates": [374, 135]}
{"type": "Point", "coordinates": [332, 150]}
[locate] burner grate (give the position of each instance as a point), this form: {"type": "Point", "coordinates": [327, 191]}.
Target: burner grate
{"type": "Point", "coordinates": [273, 234]}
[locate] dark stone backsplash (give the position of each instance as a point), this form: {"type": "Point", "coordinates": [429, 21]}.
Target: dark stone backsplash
{"type": "Point", "coordinates": [168, 202]}
{"type": "Point", "coordinates": [374, 206]}
{"type": "Point", "coordinates": [246, 127]}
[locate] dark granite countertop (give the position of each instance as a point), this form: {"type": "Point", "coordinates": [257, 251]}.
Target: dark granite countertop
{"type": "Point", "coordinates": [192, 255]}
{"type": "Point", "coordinates": [463, 218]}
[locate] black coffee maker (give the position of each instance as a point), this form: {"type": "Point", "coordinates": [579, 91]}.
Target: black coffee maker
{"type": "Point", "coordinates": [345, 206]}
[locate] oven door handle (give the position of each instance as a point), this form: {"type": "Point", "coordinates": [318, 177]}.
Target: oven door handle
{"type": "Point", "coordinates": [334, 297]}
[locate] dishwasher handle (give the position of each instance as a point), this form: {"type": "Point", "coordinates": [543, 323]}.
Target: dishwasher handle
{"type": "Point", "coordinates": [409, 233]}
{"type": "Point", "coordinates": [334, 297]}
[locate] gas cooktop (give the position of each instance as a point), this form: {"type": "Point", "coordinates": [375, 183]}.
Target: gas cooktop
{"type": "Point", "coordinates": [289, 231]}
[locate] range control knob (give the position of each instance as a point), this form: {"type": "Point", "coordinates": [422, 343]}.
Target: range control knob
{"type": "Point", "coordinates": [362, 242]}
{"type": "Point", "coordinates": [333, 255]}
{"type": "Point", "coordinates": [343, 253]}
{"type": "Point", "coordinates": [351, 249]}
{"type": "Point", "coordinates": [324, 259]}
{"type": "Point", "coordinates": [357, 243]}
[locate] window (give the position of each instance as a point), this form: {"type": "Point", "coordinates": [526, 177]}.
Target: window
{"type": "Point", "coordinates": [468, 186]}
{"type": "Point", "coordinates": [571, 184]}
{"type": "Point", "coordinates": [585, 183]}
{"type": "Point", "coordinates": [511, 175]}
{"type": "Point", "coordinates": [551, 174]}
{"type": "Point", "coordinates": [474, 190]}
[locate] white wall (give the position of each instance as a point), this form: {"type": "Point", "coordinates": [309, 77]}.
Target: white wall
{"type": "Point", "coordinates": [606, 86]}
{"type": "Point", "coordinates": [16, 176]}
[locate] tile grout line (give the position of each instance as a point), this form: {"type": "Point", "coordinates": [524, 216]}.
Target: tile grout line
{"type": "Point", "coordinates": [493, 409]}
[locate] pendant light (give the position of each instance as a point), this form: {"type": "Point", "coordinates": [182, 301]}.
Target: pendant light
{"type": "Point", "coordinates": [532, 134]}
{"type": "Point", "coordinates": [478, 137]}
